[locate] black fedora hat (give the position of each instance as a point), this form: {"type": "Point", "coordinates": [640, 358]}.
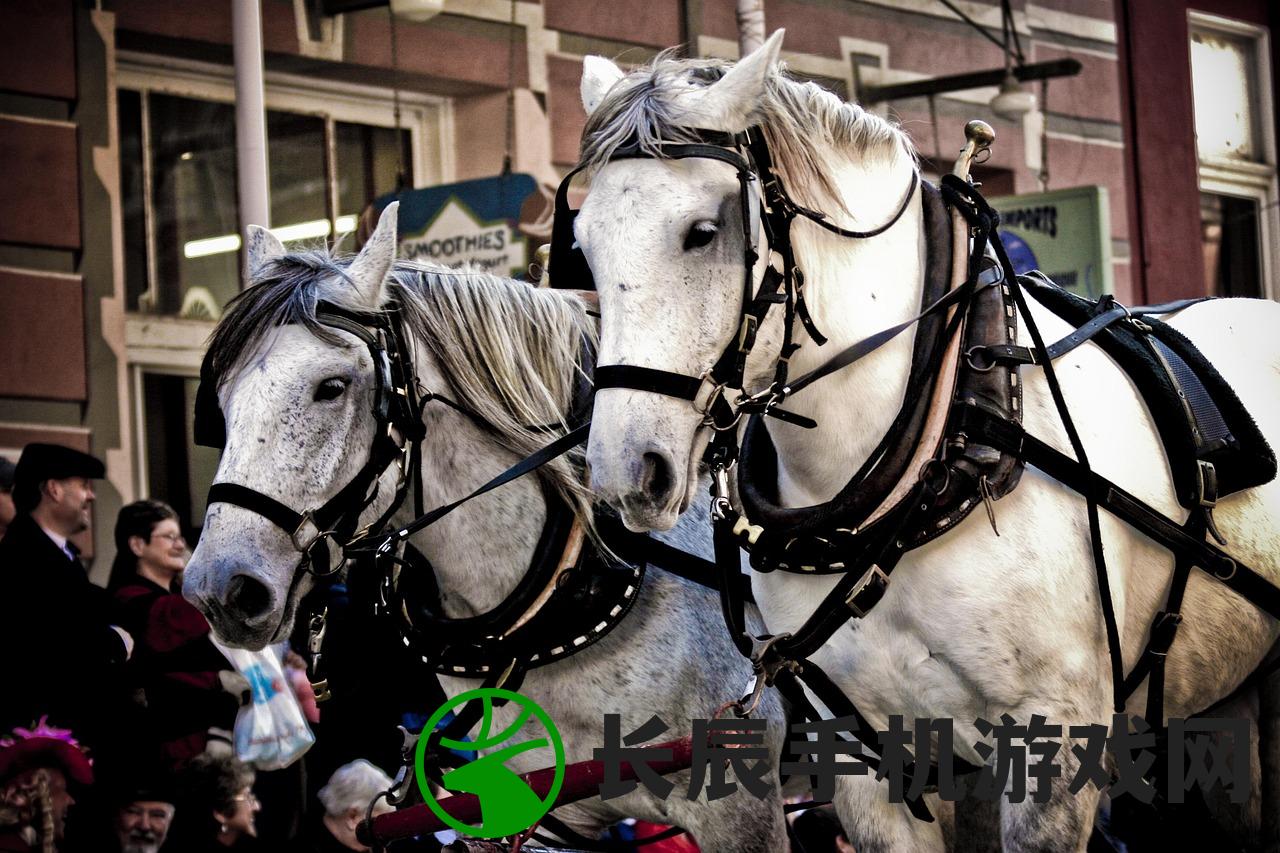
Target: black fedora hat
{"type": "Point", "coordinates": [40, 462]}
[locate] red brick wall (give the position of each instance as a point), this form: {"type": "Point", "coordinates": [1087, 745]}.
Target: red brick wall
{"type": "Point", "coordinates": [37, 48]}
{"type": "Point", "coordinates": [39, 170]}
{"type": "Point", "coordinates": [42, 335]}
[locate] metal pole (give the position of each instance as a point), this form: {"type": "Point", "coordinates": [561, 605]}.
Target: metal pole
{"type": "Point", "coordinates": [750, 14]}
{"type": "Point", "coordinates": [251, 124]}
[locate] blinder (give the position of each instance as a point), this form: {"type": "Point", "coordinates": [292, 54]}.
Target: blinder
{"type": "Point", "coordinates": [568, 264]}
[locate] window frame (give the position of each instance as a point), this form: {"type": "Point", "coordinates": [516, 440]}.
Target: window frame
{"type": "Point", "coordinates": [1256, 181]}
{"type": "Point", "coordinates": [427, 118]}
{"type": "Point", "coordinates": [167, 344]}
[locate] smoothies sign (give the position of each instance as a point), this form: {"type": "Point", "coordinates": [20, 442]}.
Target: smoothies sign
{"type": "Point", "coordinates": [472, 222]}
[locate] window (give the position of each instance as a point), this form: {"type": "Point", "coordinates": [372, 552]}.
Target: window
{"type": "Point", "coordinates": [1235, 143]}
{"type": "Point", "coordinates": [331, 147]}
{"type": "Point", "coordinates": [177, 470]}
{"type": "Point", "coordinates": [329, 155]}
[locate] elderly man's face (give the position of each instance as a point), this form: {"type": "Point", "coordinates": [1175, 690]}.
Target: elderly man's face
{"type": "Point", "coordinates": [142, 825]}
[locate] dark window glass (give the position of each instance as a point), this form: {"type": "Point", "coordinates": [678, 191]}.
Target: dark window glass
{"type": "Point", "coordinates": [193, 150]}
{"type": "Point", "coordinates": [133, 197]}
{"type": "Point", "coordinates": [1229, 228]}
{"type": "Point", "coordinates": [296, 162]}
{"type": "Point", "coordinates": [367, 164]}
{"type": "Point", "coordinates": [178, 471]}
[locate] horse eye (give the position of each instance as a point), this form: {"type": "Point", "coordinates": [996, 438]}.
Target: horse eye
{"type": "Point", "coordinates": [699, 235]}
{"type": "Point", "coordinates": [330, 389]}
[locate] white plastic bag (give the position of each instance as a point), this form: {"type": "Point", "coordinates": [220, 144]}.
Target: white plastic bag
{"type": "Point", "coordinates": [271, 731]}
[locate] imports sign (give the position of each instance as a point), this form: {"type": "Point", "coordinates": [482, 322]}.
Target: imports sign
{"type": "Point", "coordinates": [1066, 234]}
{"type": "Point", "coordinates": [472, 222]}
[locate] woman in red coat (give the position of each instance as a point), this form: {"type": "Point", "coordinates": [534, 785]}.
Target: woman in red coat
{"type": "Point", "coordinates": [173, 661]}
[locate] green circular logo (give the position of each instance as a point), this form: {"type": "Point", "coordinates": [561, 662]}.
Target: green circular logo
{"type": "Point", "coordinates": [507, 804]}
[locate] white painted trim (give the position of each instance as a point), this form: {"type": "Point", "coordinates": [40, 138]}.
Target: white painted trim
{"type": "Point", "coordinates": [835, 68]}
{"type": "Point", "coordinates": [329, 45]}
{"type": "Point", "coordinates": [1111, 56]}
{"type": "Point", "coordinates": [345, 101]}
{"type": "Point", "coordinates": [31, 120]}
{"type": "Point", "coordinates": [66, 276]}
{"type": "Point", "coordinates": [39, 427]}
{"type": "Point", "coordinates": [140, 431]}
{"type": "Point", "coordinates": [539, 40]}
{"type": "Point", "coordinates": [168, 344]}
{"type": "Point", "coordinates": [1071, 24]}
{"type": "Point", "coordinates": [1263, 193]}
{"type": "Point", "coordinates": [1087, 140]}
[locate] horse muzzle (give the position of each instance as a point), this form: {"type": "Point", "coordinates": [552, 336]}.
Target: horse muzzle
{"type": "Point", "coordinates": [242, 608]}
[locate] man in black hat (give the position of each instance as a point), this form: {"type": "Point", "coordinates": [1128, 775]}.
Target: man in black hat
{"type": "Point", "coordinates": [54, 624]}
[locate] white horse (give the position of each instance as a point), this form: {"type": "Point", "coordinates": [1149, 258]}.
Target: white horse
{"type": "Point", "coordinates": [298, 413]}
{"type": "Point", "coordinates": [973, 624]}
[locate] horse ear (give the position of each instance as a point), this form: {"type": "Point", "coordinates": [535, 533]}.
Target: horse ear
{"type": "Point", "coordinates": [730, 103]}
{"type": "Point", "coordinates": [369, 270]}
{"type": "Point", "coordinates": [598, 76]}
{"type": "Point", "coordinates": [263, 246]}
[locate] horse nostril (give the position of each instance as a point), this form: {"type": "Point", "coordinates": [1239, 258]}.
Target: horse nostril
{"type": "Point", "coordinates": [248, 598]}
{"type": "Point", "coordinates": [658, 480]}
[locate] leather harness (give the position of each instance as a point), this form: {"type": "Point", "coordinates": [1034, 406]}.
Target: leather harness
{"type": "Point", "coordinates": [957, 442]}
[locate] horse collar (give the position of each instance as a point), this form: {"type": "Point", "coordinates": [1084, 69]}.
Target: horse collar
{"type": "Point", "coordinates": [569, 598]}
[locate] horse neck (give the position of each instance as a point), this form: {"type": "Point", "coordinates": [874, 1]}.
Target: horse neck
{"type": "Point", "coordinates": [481, 550]}
{"type": "Point", "coordinates": [854, 288]}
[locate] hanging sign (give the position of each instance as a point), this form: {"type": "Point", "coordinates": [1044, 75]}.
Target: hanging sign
{"type": "Point", "coordinates": [1066, 234]}
{"type": "Point", "coordinates": [472, 222]}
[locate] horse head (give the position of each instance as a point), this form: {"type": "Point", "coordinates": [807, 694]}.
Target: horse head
{"type": "Point", "coordinates": [298, 399]}
{"type": "Point", "coordinates": [666, 238]}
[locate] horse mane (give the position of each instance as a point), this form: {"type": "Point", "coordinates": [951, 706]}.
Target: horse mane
{"type": "Point", "coordinates": [513, 353]}
{"type": "Point", "coordinates": [802, 123]}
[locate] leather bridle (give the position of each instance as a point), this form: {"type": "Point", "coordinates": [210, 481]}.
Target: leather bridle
{"type": "Point", "coordinates": [764, 203]}
{"type": "Point", "coordinates": [398, 432]}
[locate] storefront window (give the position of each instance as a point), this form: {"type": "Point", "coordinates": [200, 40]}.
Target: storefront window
{"type": "Point", "coordinates": [179, 193]}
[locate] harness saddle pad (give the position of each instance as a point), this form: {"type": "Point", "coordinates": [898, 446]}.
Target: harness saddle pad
{"type": "Point", "coordinates": [1199, 418]}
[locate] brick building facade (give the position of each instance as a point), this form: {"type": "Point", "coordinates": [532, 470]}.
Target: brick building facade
{"type": "Point", "coordinates": [118, 232]}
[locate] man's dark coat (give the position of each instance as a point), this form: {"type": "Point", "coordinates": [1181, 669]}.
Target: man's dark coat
{"type": "Point", "coordinates": [62, 657]}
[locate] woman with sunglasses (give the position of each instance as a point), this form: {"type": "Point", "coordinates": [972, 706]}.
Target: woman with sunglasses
{"type": "Point", "coordinates": [179, 670]}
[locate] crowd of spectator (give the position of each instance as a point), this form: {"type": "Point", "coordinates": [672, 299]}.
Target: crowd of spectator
{"type": "Point", "coordinates": [117, 711]}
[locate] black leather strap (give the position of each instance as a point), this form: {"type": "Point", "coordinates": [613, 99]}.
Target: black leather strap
{"type": "Point", "coordinates": [1235, 575]}
{"type": "Point", "coordinates": [254, 501]}
{"type": "Point", "coordinates": [985, 357]}
{"type": "Point", "coordinates": [559, 447]}
{"type": "Point", "coordinates": [821, 218]}
{"type": "Point", "coordinates": [631, 376]}
{"type": "Point", "coordinates": [871, 343]}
